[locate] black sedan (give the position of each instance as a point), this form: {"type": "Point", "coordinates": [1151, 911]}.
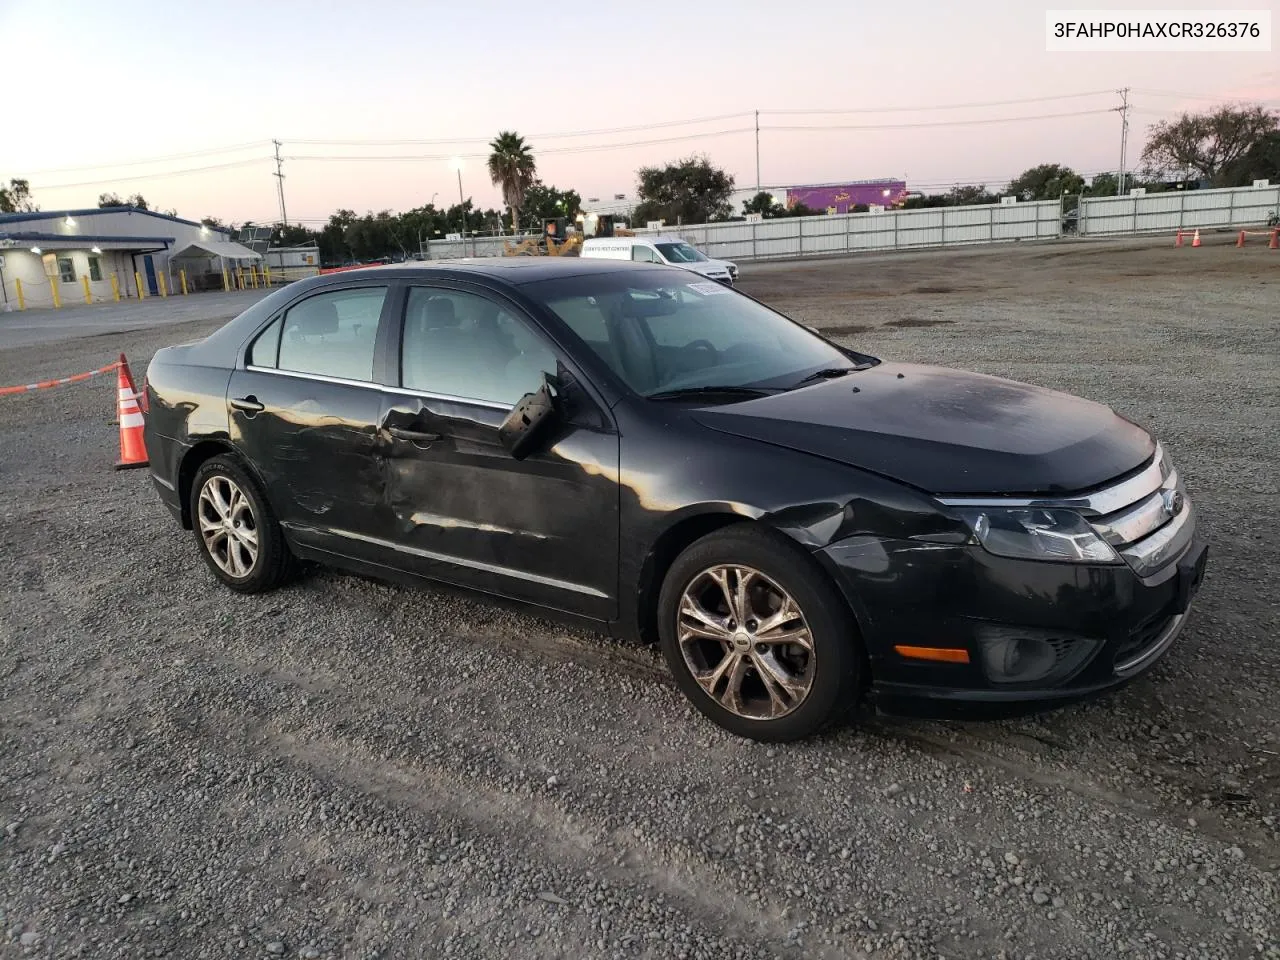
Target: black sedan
{"type": "Point", "coordinates": [661, 456]}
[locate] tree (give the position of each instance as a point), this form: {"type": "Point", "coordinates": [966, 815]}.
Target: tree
{"type": "Point", "coordinates": [1048, 181]}
{"type": "Point", "coordinates": [293, 235]}
{"type": "Point", "coordinates": [213, 223]}
{"type": "Point", "coordinates": [764, 204]}
{"type": "Point", "coordinates": [543, 202]}
{"type": "Point", "coordinates": [1261, 162]}
{"type": "Point", "coordinates": [109, 200]}
{"type": "Point", "coordinates": [512, 168]}
{"type": "Point", "coordinates": [690, 191]}
{"type": "Point", "coordinates": [1208, 143]}
{"type": "Point", "coordinates": [1103, 185]}
{"type": "Point", "coordinates": [16, 198]}
{"type": "Point", "coordinates": [963, 196]}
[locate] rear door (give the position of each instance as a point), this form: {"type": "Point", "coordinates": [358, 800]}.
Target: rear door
{"type": "Point", "coordinates": [304, 409]}
{"type": "Point", "coordinates": [543, 529]}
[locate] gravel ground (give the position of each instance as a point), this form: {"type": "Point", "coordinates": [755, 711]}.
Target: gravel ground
{"type": "Point", "coordinates": [349, 769]}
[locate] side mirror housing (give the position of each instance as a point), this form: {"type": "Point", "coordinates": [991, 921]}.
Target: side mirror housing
{"type": "Point", "coordinates": [528, 420]}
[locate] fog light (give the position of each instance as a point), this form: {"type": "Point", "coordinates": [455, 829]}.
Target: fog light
{"type": "Point", "coordinates": [1011, 655]}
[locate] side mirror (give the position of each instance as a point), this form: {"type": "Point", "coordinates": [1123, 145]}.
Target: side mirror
{"type": "Point", "coordinates": [527, 421]}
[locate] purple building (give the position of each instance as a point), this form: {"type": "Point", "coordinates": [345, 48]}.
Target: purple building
{"type": "Point", "coordinates": [845, 196]}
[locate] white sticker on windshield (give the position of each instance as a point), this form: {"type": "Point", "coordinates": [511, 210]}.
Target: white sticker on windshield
{"type": "Point", "coordinates": [709, 287]}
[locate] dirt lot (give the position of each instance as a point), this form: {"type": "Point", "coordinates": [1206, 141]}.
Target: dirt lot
{"type": "Point", "coordinates": [348, 769]}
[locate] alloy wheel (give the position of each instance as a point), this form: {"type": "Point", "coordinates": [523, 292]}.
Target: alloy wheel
{"type": "Point", "coordinates": [745, 641]}
{"type": "Point", "coordinates": [228, 526]}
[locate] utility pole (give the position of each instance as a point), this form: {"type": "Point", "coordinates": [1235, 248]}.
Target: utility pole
{"type": "Point", "coordinates": [279, 175]}
{"type": "Point", "coordinates": [757, 151]}
{"type": "Point", "coordinates": [1123, 110]}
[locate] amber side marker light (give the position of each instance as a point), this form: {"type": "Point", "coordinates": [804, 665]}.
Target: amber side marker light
{"type": "Point", "coordinates": [943, 654]}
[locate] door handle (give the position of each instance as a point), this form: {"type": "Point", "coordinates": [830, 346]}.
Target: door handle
{"type": "Point", "coordinates": [247, 404]}
{"type": "Point", "coordinates": [413, 436]}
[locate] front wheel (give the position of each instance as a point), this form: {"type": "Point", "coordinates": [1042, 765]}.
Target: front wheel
{"type": "Point", "coordinates": [756, 636]}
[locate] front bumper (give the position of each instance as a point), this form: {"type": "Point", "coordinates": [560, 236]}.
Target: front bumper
{"type": "Point", "coordinates": [936, 595]}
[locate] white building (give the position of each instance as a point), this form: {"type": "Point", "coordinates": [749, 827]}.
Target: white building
{"type": "Point", "coordinates": [59, 250]}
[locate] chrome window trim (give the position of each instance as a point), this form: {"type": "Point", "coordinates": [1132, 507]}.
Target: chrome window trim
{"type": "Point", "coordinates": [1098, 502]}
{"type": "Point", "coordinates": [371, 385]}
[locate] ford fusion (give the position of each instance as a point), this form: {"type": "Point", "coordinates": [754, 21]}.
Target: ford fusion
{"type": "Point", "coordinates": [799, 524]}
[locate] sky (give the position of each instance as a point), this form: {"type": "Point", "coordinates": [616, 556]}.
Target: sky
{"type": "Point", "coordinates": [147, 97]}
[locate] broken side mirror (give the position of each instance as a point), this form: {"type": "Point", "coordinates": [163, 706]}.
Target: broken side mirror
{"type": "Point", "coordinates": [528, 421]}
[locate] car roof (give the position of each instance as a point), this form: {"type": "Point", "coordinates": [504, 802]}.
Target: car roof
{"type": "Point", "coordinates": [509, 270]}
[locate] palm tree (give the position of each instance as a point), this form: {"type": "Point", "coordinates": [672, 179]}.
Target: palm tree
{"type": "Point", "coordinates": [512, 167]}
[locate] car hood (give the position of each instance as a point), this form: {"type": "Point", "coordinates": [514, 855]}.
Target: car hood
{"type": "Point", "coordinates": [946, 431]}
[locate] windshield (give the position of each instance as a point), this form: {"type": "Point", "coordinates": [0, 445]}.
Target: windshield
{"type": "Point", "coordinates": [661, 331]}
{"type": "Point", "coordinates": [680, 253]}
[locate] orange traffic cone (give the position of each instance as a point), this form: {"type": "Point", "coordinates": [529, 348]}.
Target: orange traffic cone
{"type": "Point", "coordinates": [133, 449]}
{"type": "Point", "coordinates": [1195, 241]}
{"type": "Point", "coordinates": [140, 394]}
{"type": "Point", "coordinates": [1275, 240]}
{"type": "Point", "coordinates": [1178, 241]}
{"type": "Point", "coordinates": [1240, 241]}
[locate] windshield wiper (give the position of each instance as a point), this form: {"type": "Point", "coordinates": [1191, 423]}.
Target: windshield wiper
{"type": "Point", "coordinates": [723, 390]}
{"type": "Point", "coordinates": [830, 373]}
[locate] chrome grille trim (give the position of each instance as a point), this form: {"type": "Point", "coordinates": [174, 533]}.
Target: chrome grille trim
{"type": "Point", "coordinates": [1135, 522]}
{"type": "Point", "coordinates": [1100, 502]}
{"type": "Point", "coordinates": [1150, 554]}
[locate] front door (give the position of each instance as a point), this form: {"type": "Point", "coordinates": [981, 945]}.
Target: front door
{"type": "Point", "coordinates": [304, 408]}
{"type": "Point", "coordinates": [149, 265]}
{"type": "Point", "coordinates": [543, 529]}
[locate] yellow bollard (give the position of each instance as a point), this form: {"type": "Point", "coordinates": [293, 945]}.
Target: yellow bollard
{"type": "Point", "coordinates": [182, 275]}
{"type": "Point", "coordinates": [253, 276]}
{"type": "Point", "coordinates": [115, 288]}
{"type": "Point", "coordinates": [22, 303]}
{"type": "Point", "coordinates": [164, 286]}
{"type": "Point", "coordinates": [225, 285]}
{"type": "Point", "coordinates": [137, 282]}
{"type": "Point", "coordinates": [88, 297]}
{"type": "Point", "coordinates": [53, 288]}
{"type": "Point", "coordinates": [241, 278]}
{"type": "Point", "coordinates": [266, 275]}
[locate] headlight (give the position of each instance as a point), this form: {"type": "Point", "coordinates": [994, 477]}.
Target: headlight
{"type": "Point", "coordinates": [1035, 534]}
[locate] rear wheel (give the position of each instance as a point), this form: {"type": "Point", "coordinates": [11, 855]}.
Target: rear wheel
{"type": "Point", "coordinates": [235, 528]}
{"type": "Point", "coordinates": [757, 637]}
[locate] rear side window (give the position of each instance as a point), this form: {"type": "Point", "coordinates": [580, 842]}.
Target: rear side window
{"type": "Point", "coordinates": [333, 334]}
{"type": "Point", "coordinates": [265, 351]}
{"type": "Point", "coordinates": [643, 254]}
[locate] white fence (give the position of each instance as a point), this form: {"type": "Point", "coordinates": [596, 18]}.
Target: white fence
{"type": "Point", "coordinates": [862, 232]}
{"type": "Point", "coordinates": [1180, 210]}
{"type": "Point", "coordinates": [945, 226]}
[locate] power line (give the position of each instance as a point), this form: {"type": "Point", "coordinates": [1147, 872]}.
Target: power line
{"type": "Point", "coordinates": [936, 123]}
{"type": "Point", "coordinates": [535, 136]}
{"type": "Point", "coordinates": [209, 152]}
{"type": "Point", "coordinates": [1197, 96]}
{"type": "Point", "coordinates": [946, 106]}
{"type": "Point", "coordinates": [151, 176]}
{"type": "Point", "coordinates": [589, 148]}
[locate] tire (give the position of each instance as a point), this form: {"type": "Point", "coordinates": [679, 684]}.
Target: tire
{"type": "Point", "coordinates": [822, 683]}
{"type": "Point", "coordinates": [247, 552]}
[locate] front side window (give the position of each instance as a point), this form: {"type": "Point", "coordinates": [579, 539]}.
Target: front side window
{"type": "Point", "coordinates": [332, 334]}
{"type": "Point", "coordinates": [463, 345]}
{"type": "Point", "coordinates": [642, 254]}
{"type": "Point", "coordinates": [680, 253]}
{"type": "Point", "coordinates": [66, 270]}
{"type": "Point", "coordinates": [667, 330]}
{"type": "Point", "coordinates": [95, 268]}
